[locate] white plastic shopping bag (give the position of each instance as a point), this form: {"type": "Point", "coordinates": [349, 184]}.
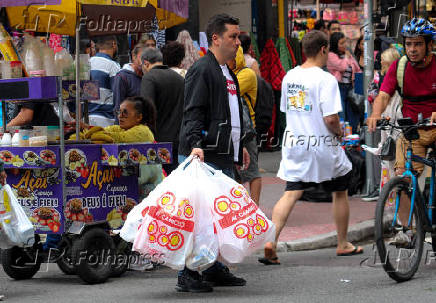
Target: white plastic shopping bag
{"type": "Point", "coordinates": [205, 249]}
{"type": "Point", "coordinates": [242, 228]}
{"type": "Point", "coordinates": [134, 217]}
{"type": "Point", "coordinates": [166, 233]}
{"type": "Point", "coordinates": [14, 222]}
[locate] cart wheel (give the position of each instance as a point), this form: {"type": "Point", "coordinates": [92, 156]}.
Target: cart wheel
{"type": "Point", "coordinates": [122, 257]}
{"type": "Point", "coordinates": [65, 262]}
{"type": "Point", "coordinates": [92, 256]}
{"type": "Point", "coordinates": [20, 264]}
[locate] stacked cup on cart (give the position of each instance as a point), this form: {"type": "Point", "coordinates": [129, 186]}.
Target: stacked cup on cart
{"type": "Point", "coordinates": [242, 228]}
{"type": "Point", "coordinates": [15, 227]}
{"type": "Point", "coordinates": [175, 228]}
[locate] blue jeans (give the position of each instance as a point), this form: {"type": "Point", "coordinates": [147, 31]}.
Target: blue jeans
{"type": "Point", "coordinates": [347, 112]}
{"type": "Point", "coordinates": [217, 266]}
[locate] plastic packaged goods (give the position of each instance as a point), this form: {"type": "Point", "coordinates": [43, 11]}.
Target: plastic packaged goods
{"type": "Point", "coordinates": [65, 65]}
{"type": "Point", "coordinates": [11, 69]}
{"type": "Point", "coordinates": [6, 47]}
{"type": "Point", "coordinates": [32, 56]}
{"type": "Point", "coordinates": [85, 67]}
{"type": "Point", "coordinates": [6, 139]}
{"type": "Point", "coordinates": [16, 138]}
{"type": "Point", "coordinates": [24, 138]}
{"type": "Point", "coordinates": [39, 131]}
{"type": "Point", "coordinates": [38, 141]}
{"type": "Point", "coordinates": [48, 58]}
{"type": "Point", "coordinates": [53, 133]}
{"type": "Point", "coordinates": [348, 129]}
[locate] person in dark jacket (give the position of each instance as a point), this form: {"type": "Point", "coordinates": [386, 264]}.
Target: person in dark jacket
{"type": "Point", "coordinates": [211, 127]}
{"type": "Point", "coordinates": [207, 118]}
{"type": "Point", "coordinates": [165, 87]}
{"type": "Point", "coordinates": [127, 83]}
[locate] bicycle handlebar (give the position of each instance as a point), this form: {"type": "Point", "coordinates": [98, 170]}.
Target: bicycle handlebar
{"type": "Point", "coordinates": [386, 124]}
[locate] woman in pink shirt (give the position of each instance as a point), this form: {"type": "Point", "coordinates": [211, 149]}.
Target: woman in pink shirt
{"type": "Point", "coordinates": [343, 66]}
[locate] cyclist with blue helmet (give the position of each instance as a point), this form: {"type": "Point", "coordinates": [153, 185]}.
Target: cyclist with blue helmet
{"type": "Point", "coordinates": [414, 77]}
{"type": "Point", "coordinates": [417, 86]}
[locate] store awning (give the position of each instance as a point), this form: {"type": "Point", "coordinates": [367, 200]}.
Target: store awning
{"type": "Point", "coordinates": [100, 17]}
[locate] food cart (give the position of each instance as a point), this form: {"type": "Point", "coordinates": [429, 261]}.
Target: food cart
{"type": "Point", "coordinates": [80, 191]}
{"type": "Point", "coordinates": [77, 190]}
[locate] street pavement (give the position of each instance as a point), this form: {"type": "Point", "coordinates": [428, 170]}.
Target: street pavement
{"type": "Point", "coordinates": [310, 225]}
{"type": "Point", "coordinates": [315, 275]}
{"type": "Point", "coordinates": [303, 276]}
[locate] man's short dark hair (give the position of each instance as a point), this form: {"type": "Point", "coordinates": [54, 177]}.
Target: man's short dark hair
{"type": "Point", "coordinates": [104, 42]}
{"type": "Point", "coordinates": [313, 42]}
{"type": "Point", "coordinates": [319, 25]}
{"type": "Point", "coordinates": [245, 42]}
{"type": "Point", "coordinates": [138, 48]}
{"type": "Point", "coordinates": [217, 25]}
{"type": "Point", "coordinates": [151, 55]}
{"type": "Point", "coordinates": [331, 23]}
{"type": "Point", "coordinates": [173, 53]}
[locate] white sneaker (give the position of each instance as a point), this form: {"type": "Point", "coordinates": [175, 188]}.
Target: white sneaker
{"type": "Point", "coordinates": [401, 240]}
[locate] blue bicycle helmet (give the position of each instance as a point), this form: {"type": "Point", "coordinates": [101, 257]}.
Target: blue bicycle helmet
{"type": "Point", "coordinates": [418, 27]}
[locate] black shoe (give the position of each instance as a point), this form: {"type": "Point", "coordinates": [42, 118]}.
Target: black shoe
{"type": "Point", "coordinates": [223, 277]}
{"type": "Point", "coordinates": [190, 281]}
{"type": "Point", "coordinates": [372, 197]}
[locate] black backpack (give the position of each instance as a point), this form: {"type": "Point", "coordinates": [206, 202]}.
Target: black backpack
{"type": "Point", "coordinates": [264, 106]}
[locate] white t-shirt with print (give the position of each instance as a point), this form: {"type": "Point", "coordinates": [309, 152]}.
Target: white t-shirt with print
{"type": "Point", "coordinates": [310, 152]}
{"type": "Point", "coordinates": [234, 111]}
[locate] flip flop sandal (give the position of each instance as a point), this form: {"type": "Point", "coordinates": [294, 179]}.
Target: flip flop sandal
{"type": "Point", "coordinates": [356, 251]}
{"type": "Point", "coordinates": [270, 261]}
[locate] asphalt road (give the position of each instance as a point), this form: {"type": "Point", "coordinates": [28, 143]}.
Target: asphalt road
{"type": "Point", "coordinates": [307, 276]}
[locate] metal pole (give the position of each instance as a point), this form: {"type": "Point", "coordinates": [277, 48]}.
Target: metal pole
{"type": "Point", "coordinates": [4, 115]}
{"type": "Point", "coordinates": [318, 12]}
{"type": "Point", "coordinates": [61, 138]}
{"type": "Point", "coordinates": [281, 20]}
{"type": "Point", "coordinates": [285, 18]}
{"type": "Point", "coordinates": [78, 107]}
{"type": "Point", "coordinates": [367, 79]}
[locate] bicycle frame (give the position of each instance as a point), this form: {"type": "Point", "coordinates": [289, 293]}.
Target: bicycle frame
{"type": "Point", "coordinates": [428, 211]}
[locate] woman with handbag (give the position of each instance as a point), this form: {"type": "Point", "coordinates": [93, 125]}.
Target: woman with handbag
{"type": "Point", "coordinates": [343, 66]}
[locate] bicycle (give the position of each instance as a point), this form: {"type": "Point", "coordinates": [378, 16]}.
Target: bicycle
{"type": "Point", "coordinates": [401, 259]}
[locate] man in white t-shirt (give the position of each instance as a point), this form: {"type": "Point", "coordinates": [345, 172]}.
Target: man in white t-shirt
{"type": "Point", "coordinates": [311, 150]}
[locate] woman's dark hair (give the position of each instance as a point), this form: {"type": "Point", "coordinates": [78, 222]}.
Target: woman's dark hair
{"type": "Point", "coordinates": [145, 107]}
{"type": "Point", "coordinates": [334, 41]}
{"type": "Point", "coordinates": [331, 23]}
{"type": "Point", "coordinates": [173, 53]}
{"type": "Point", "coordinates": [84, 44]}
{"type": "Point", "coordinates": [357, 52]}
{"type": "Point", "coordinates": [245, 42]}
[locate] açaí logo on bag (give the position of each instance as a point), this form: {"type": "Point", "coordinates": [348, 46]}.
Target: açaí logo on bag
{"type": "Point", "coordinates": [233, 212]}
{"type": "Point", "coordinates": [169, 215]}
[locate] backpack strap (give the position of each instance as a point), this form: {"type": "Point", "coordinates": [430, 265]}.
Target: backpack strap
{"type": "Point", "coordinates": [401, 71]}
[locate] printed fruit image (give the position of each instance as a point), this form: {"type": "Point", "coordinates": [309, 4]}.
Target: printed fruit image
{"type": "Point", "coordinates": [117, 217]}
{"type": "Point", "coordinates": [48, 156]}
{"type": "Point", "coordinates": [114, 218]}
{"type": "Point", "coordinates": [47, 216]}
{"type": "Point", "coordinates": [6, 156]}
{"type": "Point", "coordinates": [74, 211]}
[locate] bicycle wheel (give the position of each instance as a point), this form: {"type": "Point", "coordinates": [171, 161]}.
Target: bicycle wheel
{"type": "Point", "coordinates": [400, 258]}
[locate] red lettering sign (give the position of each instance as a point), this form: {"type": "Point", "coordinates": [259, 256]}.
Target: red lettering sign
{"type": "Point", "coordinates": [233, 217]}
{"type": "Point", "coordinates": [159, 214]}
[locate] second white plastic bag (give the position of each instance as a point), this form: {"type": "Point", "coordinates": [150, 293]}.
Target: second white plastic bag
{"type": "Point", "coordinates": [15, 224]}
